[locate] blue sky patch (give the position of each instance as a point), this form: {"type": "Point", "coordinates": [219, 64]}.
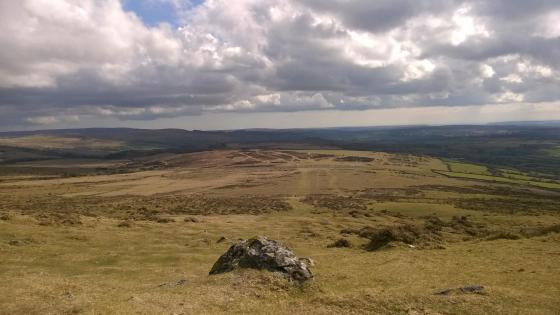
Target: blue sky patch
{"type": "Point", "coordinates": [154, 12]}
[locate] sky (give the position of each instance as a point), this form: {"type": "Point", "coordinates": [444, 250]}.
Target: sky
{"type": "Point", "coordinates": [228, 64]}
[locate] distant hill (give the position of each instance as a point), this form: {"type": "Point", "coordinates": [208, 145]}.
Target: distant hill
{"type": "Point", "coordinates": [547, 123]}
{"type": "Point", "coordinates": [511, 145]}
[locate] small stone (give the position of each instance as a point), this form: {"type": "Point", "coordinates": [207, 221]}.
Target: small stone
{"type": "Point", "coordinates": [164, 220]}
{"type": "Point", "coordinates": [181, 282]}
{"type": "Point", "coordinates": [474, 289]}
{"type": "Point", "coordinates": [135, 299]}
{"type": "Point", "coordinates": [125, 224]}
{"type": "Point", "coordinates": [221, 239]}
{"type": "Point", "coordinates": [68, 295]}
{"type": "Point", "coordinates": [174, 284]}
{"type": "Point", "coordinates": [192, 220]}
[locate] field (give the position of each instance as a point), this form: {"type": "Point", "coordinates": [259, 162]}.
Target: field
{"type": "Point", "coordinates": [468, 168]}
{"type": "Point", "coordinates": [53, 142]}
{"type": "Point", "coordinates": [139, 236]}
{"type": "Point", "coordinates": [478, 172]}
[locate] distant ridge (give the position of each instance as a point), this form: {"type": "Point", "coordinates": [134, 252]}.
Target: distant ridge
{"type": "Point", "coordinates": [526, 146]}
{"type": "Point", "coordinates": [528, 123]}
{"type": "Point", "coordinates": [103, 130]}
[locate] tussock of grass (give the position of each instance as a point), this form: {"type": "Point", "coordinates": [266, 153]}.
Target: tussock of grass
{"type": "Point", "coordinates": [341, 243]}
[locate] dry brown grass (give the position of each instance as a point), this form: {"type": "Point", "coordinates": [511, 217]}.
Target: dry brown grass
{"type": "Point", "coordinates": [65, 249]}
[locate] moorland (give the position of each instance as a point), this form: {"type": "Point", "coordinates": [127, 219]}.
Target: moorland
{"type": "Point", "coordinates": [128, 221]}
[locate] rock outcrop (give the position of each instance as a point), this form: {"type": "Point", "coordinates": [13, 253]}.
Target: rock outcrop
{"type": "Point", "coordinates": [263, 253]}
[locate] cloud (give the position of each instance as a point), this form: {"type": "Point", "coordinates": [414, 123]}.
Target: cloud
{"type": "Point", "coordinates": [92, 58]}
{"type": "Point", "coordinates": [51, 120]}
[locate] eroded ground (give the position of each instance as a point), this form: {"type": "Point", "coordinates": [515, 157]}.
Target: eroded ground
{"type": "Point", "coordinates": [115, 237]}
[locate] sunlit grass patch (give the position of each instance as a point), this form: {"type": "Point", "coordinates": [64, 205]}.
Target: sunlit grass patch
{"type": "Point", "coordinates": [468, 168]}
{"type": "Point", "coordinates": [500, 179]}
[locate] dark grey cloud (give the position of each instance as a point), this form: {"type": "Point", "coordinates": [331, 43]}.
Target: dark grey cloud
{"type": "Point", "coordinates": [64, 60]}
{"type": "Point", "coordinates": [513, 10]}
{"type": "Point", "coordinates": [379, 16]}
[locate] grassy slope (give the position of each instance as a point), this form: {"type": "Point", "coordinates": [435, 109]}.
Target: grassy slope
{"type": "Point", "coordinates": [99, 268]}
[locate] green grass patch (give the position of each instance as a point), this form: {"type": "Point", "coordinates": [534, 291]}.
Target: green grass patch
{"type": "Point", "coordinates": [518, 175]}
{"type": "Point", "coordinates": [499, 179]}
{"type": "Point", "coordinates": [468, 168]}
{"type": "Point", "coordinates": [554, 152]}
